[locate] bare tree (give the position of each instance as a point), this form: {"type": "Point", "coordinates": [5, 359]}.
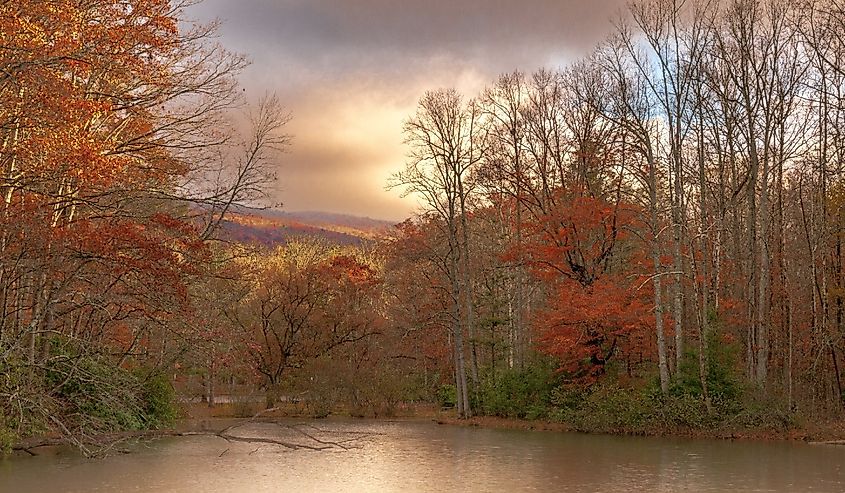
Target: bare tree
{"type": "Point", "coordinates": [445, 142]}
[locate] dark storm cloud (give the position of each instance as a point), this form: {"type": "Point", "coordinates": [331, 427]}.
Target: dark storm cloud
{"type": "Point", "coordinates": [350, 71]}
{"type": "Point", "coordinates": [345, 34]}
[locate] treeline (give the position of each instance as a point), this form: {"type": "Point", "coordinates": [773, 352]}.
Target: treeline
{"type": "Point", "coordinates": [671, 198]}
{"type": "Point", "coordinates": [117, 161]}
{"type": "Point", "coordinates": [650, 236]}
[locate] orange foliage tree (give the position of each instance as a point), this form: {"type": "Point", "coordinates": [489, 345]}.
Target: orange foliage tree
{"type": "Point", "coordinates": [110, 115]}
{"type": "Point", "coordinates": [598, 302]}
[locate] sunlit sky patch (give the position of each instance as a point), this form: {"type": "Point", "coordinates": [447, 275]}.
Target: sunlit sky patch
{"type": "Point", "coordinates": [351, 71]}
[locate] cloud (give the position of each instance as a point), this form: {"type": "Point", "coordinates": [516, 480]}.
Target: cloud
{"type": "Point", "coordinates": [351, 71]}
{"type": "Point", "coordinates": [339, 36]}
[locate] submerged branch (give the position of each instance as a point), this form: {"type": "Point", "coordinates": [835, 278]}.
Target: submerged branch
{"type": "Point", "coordinates": [100, 445]}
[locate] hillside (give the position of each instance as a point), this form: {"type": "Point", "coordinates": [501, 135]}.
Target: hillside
{"type": "Point", "coordinates": [273, 227]}
{"type": "Point", "coordinates": [355, 225]}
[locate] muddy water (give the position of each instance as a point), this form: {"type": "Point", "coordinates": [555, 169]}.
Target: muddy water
{"type": "Point", "coordinates": [420, 456]}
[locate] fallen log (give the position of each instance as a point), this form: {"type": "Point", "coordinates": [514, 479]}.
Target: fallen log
{"type": "Point", "coordinates": [100, 445]}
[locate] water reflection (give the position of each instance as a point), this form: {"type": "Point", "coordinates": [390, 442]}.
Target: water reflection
{"type": "Point", "coordinates": [413, 456]}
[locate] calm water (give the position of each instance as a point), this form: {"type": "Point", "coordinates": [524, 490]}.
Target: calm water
{"type": "Point", "coordinates": [412, 456]}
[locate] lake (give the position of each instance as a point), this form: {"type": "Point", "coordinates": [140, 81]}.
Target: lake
{"type": "Point", "coordinates": [411, 456]}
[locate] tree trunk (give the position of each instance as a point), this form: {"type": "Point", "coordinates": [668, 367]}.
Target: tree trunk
{"type": "Point", "coordinates": [209, 384]}
{"type": "Point", "coordinates": [657, 281]}
{"type": "Point", "coordinates": [467, 289]}
{"type": "Point", "coordinates": [762, 336]}
{"type": "Point", "coordinates": [704, 311]}
{"type": "Point", "coordinates": [462, 393]}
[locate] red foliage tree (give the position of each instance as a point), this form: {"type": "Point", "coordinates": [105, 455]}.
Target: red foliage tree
{"type": "Point", "coordinates": [598, 302]}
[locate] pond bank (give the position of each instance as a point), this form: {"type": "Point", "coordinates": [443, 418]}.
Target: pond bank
{"type": "Point", "coordinates": [824, 432]}
{"type": "Point", "coordinates": [406, 455]}
{"type": "Point", "coordinates": [201, 420]}
{"type": "Point", "coordinates": [829, 430]}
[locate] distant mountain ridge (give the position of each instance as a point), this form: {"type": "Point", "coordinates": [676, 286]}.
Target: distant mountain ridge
{"type": "Point", "coordinates": [273, 227]}
{"type": "Point", "coordinates": [333, 220]}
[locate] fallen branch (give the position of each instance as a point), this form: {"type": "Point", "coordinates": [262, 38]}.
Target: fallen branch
{"type": "Point", "coordinates": [105, 442]}
{"type": "Point", "coordinates": [358, 435]}
{"type": "Point", "coordinates": [235, 438]}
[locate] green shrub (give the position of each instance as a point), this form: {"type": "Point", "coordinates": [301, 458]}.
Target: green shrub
{"type": "Point", "coordinates": [605, 408]}
{"type": "Point", "coordinates": [447, 395]}
{"type": "Point", "coordinates": [519, 392]}
{"type": "Point", "coordinates": [159, 399]}
{"type": "Point", "coordinates": [723, 383]}
{"type": "Point", "coordinates": [763, 412]}
{"type": "Point", "coordinates": [22, 404]}
{"type": "Point", "coordinates": [8, 437]}
{"type": "Point", "coordinates": [610, 408]}
{"type": "Point", "coordinates": [103, 397]}
{"type": "Point", "coordinates": [683, 411]}
{"type": "Point", "coordinates": [88, 393]}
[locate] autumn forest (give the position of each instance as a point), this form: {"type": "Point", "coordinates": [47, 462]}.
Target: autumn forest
{"type": "Point", "coordinates": [649, 238]}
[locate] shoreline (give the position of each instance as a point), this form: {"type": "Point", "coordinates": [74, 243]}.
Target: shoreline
{"type": "Point", "coordinates": [805, 435]}
{"type": "Point", "coordinates": [199, 418]}
{"type": "Point", "coordinates": [828, 431]}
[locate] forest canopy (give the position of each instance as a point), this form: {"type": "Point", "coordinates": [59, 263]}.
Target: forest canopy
{"type": "Point", "coordinates": [655, 229]}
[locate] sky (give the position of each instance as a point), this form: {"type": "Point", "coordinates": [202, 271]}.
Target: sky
{"type": "Point", "coordinates": [351, 71]}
